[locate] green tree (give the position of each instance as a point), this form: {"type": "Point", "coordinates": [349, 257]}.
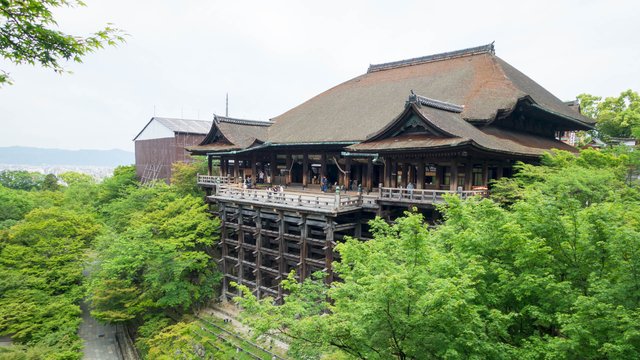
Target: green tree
{"type": "Point", "coordinates": [183, 176]}
{"type": "Point", "coordinates": [615, 116]}
{"type": "Point", "coordinates": [28, 35]}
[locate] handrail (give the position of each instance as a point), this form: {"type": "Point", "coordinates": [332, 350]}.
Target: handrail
{"type": "Point", "coordinates": [215, 180]}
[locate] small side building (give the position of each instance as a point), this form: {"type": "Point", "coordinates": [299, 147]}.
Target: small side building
{"type": "Point", "coordinates": [162, 142]}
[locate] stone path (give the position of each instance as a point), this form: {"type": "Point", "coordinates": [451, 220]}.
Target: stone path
{"type": "Point", "coordinates": [99, 340]}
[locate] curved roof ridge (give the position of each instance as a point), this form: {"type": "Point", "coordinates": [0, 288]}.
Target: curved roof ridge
{"type": "Point", "coordinates": [226, 119]}
{"type": "Point", "coordinates": [437, 104]}
{"type": "Point", "coordinates": [483, 49]}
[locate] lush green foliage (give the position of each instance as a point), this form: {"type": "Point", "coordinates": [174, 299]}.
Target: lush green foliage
{"type": "Point", "coordinates": [150, 248]}
{"type": "Point", "coordinates": [551, 273]}
{"type": "Point", "coordinates": [615, 116]}
{"type": "Point", "coordinates": [28, 35]}
{"type": "Point", "coordinates": [182, 176]}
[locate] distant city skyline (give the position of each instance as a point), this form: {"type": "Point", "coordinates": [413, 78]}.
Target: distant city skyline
{"type": "Point", "coordinates": [181, 59]}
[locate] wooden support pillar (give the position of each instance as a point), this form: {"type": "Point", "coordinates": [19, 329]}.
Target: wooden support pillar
{"type": "Point", "coordinates": [394, 173]}
{"type": "Point", "coordinates": [305, 170]}
{"type": "Point", "coordinates": [485, 174]}
{"type": "Point", "coordinates": [387, 172]}
{"type": "Point", "coordinates": [273, 166]}
{"type": "Point", "coordinates": [468, 167]}
{"type": "Point", "coordinates": [453, 181]}
{"type": "Point", "coordinates": [223, 166]}
{"type": "Point", "coordinates": [281, 259]}
{"type": "Point", "coordinates": [328, 249]}
{"type": "Point", "coordinates": [347, 172]}
{"type": "Point", "coordinates": [254, 175]}
{"type": "Point", "coordinates": [369, 174]}
{"type": "Point", "coordinates": [405, 173]}
{"type": "Point", "coordinates": [499, 171]}
{"type": "Point", "coordinates": [240, 248]}
{"type": "Point", "coordinates": [304, 229]}
{"type": "Point", "coordinates": [420, 177]}
{"type": "Point", "coordinates": [236, 167]}
{"type": "Point", "coordinates": [209, 165]}
{"type": "Point", "coordinates": [258, 252]}
{"type": "Point", "coordinates": [224, 249]}
{"type": "Point", "coordinates": [288, 163]}
{"type": "Point", "coordinates": [323, 165]}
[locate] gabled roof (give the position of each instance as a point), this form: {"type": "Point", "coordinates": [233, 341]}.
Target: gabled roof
{"type": "Point", "coordinates": [453, 131]}
{"type": "Point", "coordinates": [180, 125]}
{"type": "Point", "coordinates": [226, 134]}
{"type": "Point", "coordinates": [476, 78]}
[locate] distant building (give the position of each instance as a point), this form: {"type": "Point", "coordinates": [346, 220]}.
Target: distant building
{"type": "Point", "coordinates": [161, 143]}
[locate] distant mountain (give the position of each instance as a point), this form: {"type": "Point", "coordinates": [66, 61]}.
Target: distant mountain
{"type": "Point", "coordinates": [37, 156]}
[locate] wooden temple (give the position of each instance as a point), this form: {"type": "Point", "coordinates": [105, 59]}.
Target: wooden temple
{"type": "Point", "coordinates": [403, 134]}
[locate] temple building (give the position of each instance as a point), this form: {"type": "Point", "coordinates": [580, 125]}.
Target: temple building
{"type": "Point", "coordinates": [404, 134]}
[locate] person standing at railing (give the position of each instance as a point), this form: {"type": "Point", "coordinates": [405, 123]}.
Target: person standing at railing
{"type": "Point", "coordinates": [324, 184]}
{"type": "Point", "coordinates": [410, 188]}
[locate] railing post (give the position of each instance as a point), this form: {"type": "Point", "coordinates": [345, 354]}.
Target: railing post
{"type": "Point", "coordinates": [336, 201]}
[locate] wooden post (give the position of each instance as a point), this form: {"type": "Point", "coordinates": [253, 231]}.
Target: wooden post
{"type": "Point", "coordinates": [499, 172]}
{"type": "Point", "coordinates": [468, 166]}
{"type": "Point", "coordinates": [288, 168]}
{"type": "Point", "coordinates": [323, 165]}
{"type": "Point", "coordinates": [394, 173]}
{"type": "Point", "coordinates": [328, 249]}
{"type": "Point", "coordinates": [347, 171]}
{"type": "Point", "coordinates": [236, 167]}
{"type": "Point", "coordinates": [241, 248]}
{"type": "Point", "coordinates": [305, 170]}
{"type": "Point", "coordinates": [254, 176]}
{"type": "Point", "coordinates": [304, 229]}
{"type": "Point", "coordinates": [485, 174]}
{"type": "Point", "coordinates": [420, 177]}
{"type": "Point", "coordinates": [405, 173]}
{"type": "Point", "coordinates": [258, 222]}
{"type": "Point", "coordinates": [210, 165]}
{"type": "Point", "coordinates": [224, 249]}
{"type": "Point", "coordinates": [439, 176]}
{"type": "Point", "coordinates": [454, 177]}
{"type": "Point", "coordinates": [387, 172]}
{"type": "Point", "coordinates": [273, 166]}
{"type": "Point", "coordinates": [281, 260]}
{"type": "Point", "coordinates": [369, 174]}
{"type": "Point", "coordinates": [223, 166]}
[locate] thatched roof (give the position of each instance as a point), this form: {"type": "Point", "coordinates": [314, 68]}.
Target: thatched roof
{"type": "Point", "coordinates": [474, 78]}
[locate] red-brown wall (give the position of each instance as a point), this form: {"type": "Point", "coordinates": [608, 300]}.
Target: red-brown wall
{"type": "Point", "coordinates": [163, 152]}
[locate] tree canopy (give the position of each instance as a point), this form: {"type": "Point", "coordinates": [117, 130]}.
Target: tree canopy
{"type": "Point", "coordinates": [615, 116]}
{"type": "Point", "coordinates": [550, 273]}
{"type": "Point", "coordinates": [29, 35]}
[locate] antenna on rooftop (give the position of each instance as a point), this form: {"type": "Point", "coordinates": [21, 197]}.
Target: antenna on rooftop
{"type": "Point", "coordinates": [226, 111]}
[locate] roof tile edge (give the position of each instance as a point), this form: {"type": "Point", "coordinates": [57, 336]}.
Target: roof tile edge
{"type": "Point", "coordinates": [225, 119]}
{"type": "Point", "coordinates": [436, 104]}
{"type": "Point", "coordinates": [484, 49]}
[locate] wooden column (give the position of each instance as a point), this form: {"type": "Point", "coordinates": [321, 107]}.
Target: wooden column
{"type": "Point", "coordinates": [420, 177]}
{"type": "Point", "coordinates": [240, 248]}
{"type": "Point", "coordinates": [281, 260]}
{"type": "Point", "coordinates": [439, 176]}
{"type": "Point", "coordinates": [323, 165]}
{"type": "Point", "coordinates": [405, 173]}
{"type": "Point", "coordinates": [223, 166]}
{"type": "Point", "coordinates": [347, 171]}
{"type": "Point", "coordinates": [485, 174]}
{"type": "Point", "coordinates": [305, 170]}
{"type": "Point", "coordinates": [236, 167]}
{"type": "Point", "coordinates": [394, 174]}
{"type": "Point", "coordinates": [328, 248]}
{"type": "Point", "coordinates": [254, 176]}
{"type": "Point", "coordinates": [288, 166]}
{"type": "Point", "coordinates": [304, 229]}
{"type": "Point", "coordinates": [454, 177]}
{"type": "Point", "coordinates": [499, 171]}
{"type": "Point", "coordinates": [209, 165]}
{"type": "Point", "coordinates": [468, 166]}
{"type": "Point", "coordinates": [224, 248]}
{"type": "Point", "coordinates": [258, 252]}
{"type": "Point", "coordinates": [387, 172]}
{"type": "Point", "coordinates": [273, 167]}
{"type": "Point", "coordinates": [369, 169]}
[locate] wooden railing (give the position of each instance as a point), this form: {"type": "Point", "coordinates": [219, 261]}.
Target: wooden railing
{"type": "Point", "coordinates": [227, 188]}
{"type": "Point", "coordinates": [423, 196]}
{"type": "Point", "coordinates": [215, 180]}
{"type": "Point", "coordinates": [316, 201]}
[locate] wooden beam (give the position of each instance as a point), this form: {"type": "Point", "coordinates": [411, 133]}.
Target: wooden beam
{"type": "Point", "coordinates": [210, 165]}
{"type": "Point", "coordinates": [485, 174]}
{"type": "Point", "coordinates": [453, 181]}
{"type": "Point", "coordinates": [236, 167]}
{"type": "Point", "coordinates": [254, 176]}
{"type": "Point", "coordinates": [305, 169]}
{"type": "Point", "coordinates": [468, 167]}
{"type": "Point", "coordinates": [369, 174]}
{"type": "Point", "coordinates": [273, 168]}
{"type": "Point", "coordinates": [347, 175]}
{"type": "Point", "coordinates": [387, 172]}
{"type": "Point", "coordinates": [420, 177]}
{"type": "Point", "coordinates": [394, 173]}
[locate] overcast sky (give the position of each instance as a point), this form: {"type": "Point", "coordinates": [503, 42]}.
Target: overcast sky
{"type": "Point", "coordinates": [182, 57]}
